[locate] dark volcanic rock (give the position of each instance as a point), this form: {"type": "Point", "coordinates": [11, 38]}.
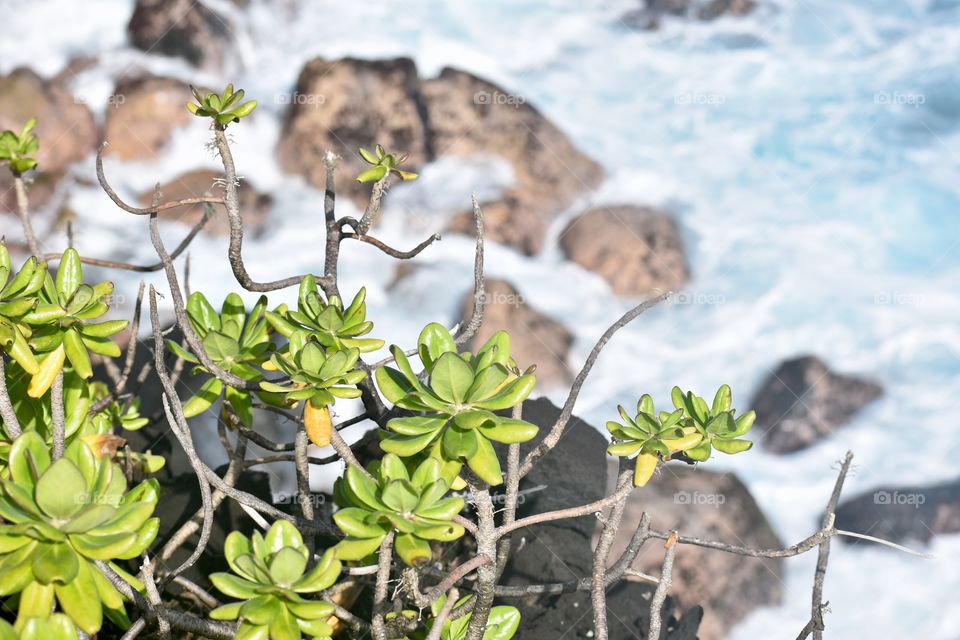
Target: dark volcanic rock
{"type": "Point", "coordinates": [804, 401]}
{"type": "Point", "coordinates": [649, 16]}
{"type": "Point", "coordinates": [534, 338]}
{"type": "Point", "coordinates": [183, 29]}
{"type": "Point", "coordinates": [636, 249]}
{"type": "Point", "coordinates": [903, 514]}
{"type": "Point", "coordinates": [715, 506]}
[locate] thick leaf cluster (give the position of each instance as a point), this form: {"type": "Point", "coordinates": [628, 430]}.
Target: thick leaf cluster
{"type": "Point", "coordinates": [18, 149]}
{"type": "Point", "coordinates": [316, 374]}
{"type": "Point", "coordinates": [383, 163]}
{"type": "Point", "coordinates": [63, 324]}
{"type": "Point", "coordinates": [457, 401]}
{"type": "Point", "coordinates": [236, 342]}
{"type": "Point", "coordinates": [55, 627]}
{"type": "Point", "coordinates": [414, 504]}
{"type": "Point", "coordinates": [223, 108]}
{"type": "Point", "coordinates": [326, 320]}
{"type": "Point", "coordinates": [269, 575]}
{"type": "Point", "coordinates": [61, 517]}
{"type": "Point", "coordinates": [18, 297]}
{"type": "Point", "coordinates": [693, 429]}
{"type": "Point", "coordinates": [502, 623]}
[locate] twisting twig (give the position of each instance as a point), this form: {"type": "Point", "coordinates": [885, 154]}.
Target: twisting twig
{"type": "Point", "coordinates": [441, 618]}
{"type": "Point", "coordinates": [121, 381]}
{"type": "Point", "coordinates": [660, 594]}
{"type": "Point", "coordinates": [465, 332]}
{"type": "Point", "coordinates": [552, 438]}
{"type": "Point", "coordinates": [56, 411]}
{"type": "Point", "coordinates": [563, 514]}
{"type": "Point", "coordinates": [486, 538]}
{"type": "Point", "coordinates": [23, 210]}
{"type": "Point", "coordinates": [390, 251]}
{"type": "Point", "coordinates": [304, 495]}
{"type": "Point", "coordinates": [153, 595]}
{"type": "Point", "coordinates": [372, 212]}
{"type": "Point", "coordinates": [610, 525]}
{"type": "Point", "coordinates": [512, 485]}
{"type": "Point", "coordinates": [378, 624]}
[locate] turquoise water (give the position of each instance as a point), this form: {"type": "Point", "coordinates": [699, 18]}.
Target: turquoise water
{"type": "Point", "coordinates": [809, 152]}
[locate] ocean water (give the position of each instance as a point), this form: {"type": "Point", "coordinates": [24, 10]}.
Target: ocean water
{"type": "Point", "coordinates": [809, 152]}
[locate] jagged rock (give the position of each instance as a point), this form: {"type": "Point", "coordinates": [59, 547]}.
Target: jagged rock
{"type": "Point", "coordinates": [636, 249]}
{"type": "Point", "coordinates": [344, 104]}
{"type": "Point", "coordinates": [716, 506]}
{"type": "Point", "coordinates": [903, 514]}
{"type": "Point", "coordinates": [341, 105]}
{"type": "Point", "coordinates": [649, 16]}
{"type": "Point", "coordinates": [571, 475]}
{"type": "Point", "coordinates": [804, 401]}
{"type": "Point", "coordinates": [535, 338]}
{"type": "Point", "coordinates": [65, 126]}
{"type": "Point", "coordinates": [468, 115]}
{"type": "Point", "coordinates": [183, 29]}
{"type": "Point", "coordinates": [147, 111]}
{"type": "Point", "coordinates": [253, 205]}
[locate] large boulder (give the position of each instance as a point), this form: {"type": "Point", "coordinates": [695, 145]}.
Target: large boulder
{"type": "Point", "coordinates": [636, 249]}
{"type": "Point", "coordinates": [204, 182]}
{"type": "Point", "coordinates": [571, 475]}
{"type": "Point", "coordinates": [803, 401]}
{"type": "Point", "coordinates": [535, 338]}
{"type": "Point", "coordinates": [903, 514]}
{"type": "Point", "coordinates": [181, 28]}
{"type": "Point", "coordinates": [341, 105]}
{"type": "Point", "coordinates": [65, 126]}
{"type": "Point", "coordinates": [468, 115]}
{"type": "Point", "coordinates": [717, 506]}
{"type": "Point", "coordinates": [147, 111]}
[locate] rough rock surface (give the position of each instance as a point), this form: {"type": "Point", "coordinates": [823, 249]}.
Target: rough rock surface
{"type": "Point", "coordinates": [253, 205]}
{"type": "Point", "coordinates": [535, 338]}
{"type": "Point", "coordinates": [636, 249]}
{"type": "Point", "coordinates": [903, 514]}
{"type": "Point", "coordinates": [341, 105]}
{"type": "Point", "coordinates": [716, 506]}
{"type": "Point", "coordinates": [183, 29]}
{"type": "Point", "coordinates": [344, 104]}
{"type": "Point", "coordinates": [571, 475]}
{"type": "Point", "coordinates": [803, 401]}
{"type": "Point", "coordinates": [65, 126]}
{"type": "Point", "coordinates": [468, 115]}
{"type": "Point", "coordinates": [148, 109]}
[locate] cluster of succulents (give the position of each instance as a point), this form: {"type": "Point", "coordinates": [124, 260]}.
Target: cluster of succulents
{"type": "Point", "coordinates": [270, 578]}
{"type": "Point", "coordinates": [414, 504]}
{"type": "Point", "coordinates": [502, 624]}
{"type": "Point", "coordinates": [694, 429]}
{"type": "Point", "coordinates": [456, 402]}
{"type": "Point", "coordinates": [382, 164]}
{"type": "Point", "coordinates": [61, 517]}
{"type": "Point", "coordinates": [18, 297]}
{"type": "Point", "coordinates": [17, 149]}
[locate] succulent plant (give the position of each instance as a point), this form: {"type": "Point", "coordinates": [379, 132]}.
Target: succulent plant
{"type": "Point", "coordinates": [35, 413]}
{"type": "Point", "coordinates": [54, 627]}
{"type": "Point", "coordinates": [717, 423]}
{"type": "Point", "coordinates": [502, 623]}
{"type": "Point", "coordinates": [457, 401]}
{"type": "Point", "coordinates": [651, 437]}
{"type": "Point", "coordinates": [18, 297]}
{"type": "Point", "coordinates": [223, 108]}
{"type": "Point", "coordinates": [62, 516]}
{"type": "Point", "coordinates": [414, 504]}
{"type": "Point", "coordinates": [327, 321]}
{"type": "Point", "coordinates": [383, 163]}
{"type": "Point", "coordinates": [17, 149]}
{"type": "Point", "coordinates": [236, 342]}
{"type": "Point", "coordinates": [63, 324]}
{"type": "Point", "coordinates": [269, 575]}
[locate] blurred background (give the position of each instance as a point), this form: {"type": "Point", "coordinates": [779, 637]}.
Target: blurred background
{"type": "Point", "coordinates": [787, 167]}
